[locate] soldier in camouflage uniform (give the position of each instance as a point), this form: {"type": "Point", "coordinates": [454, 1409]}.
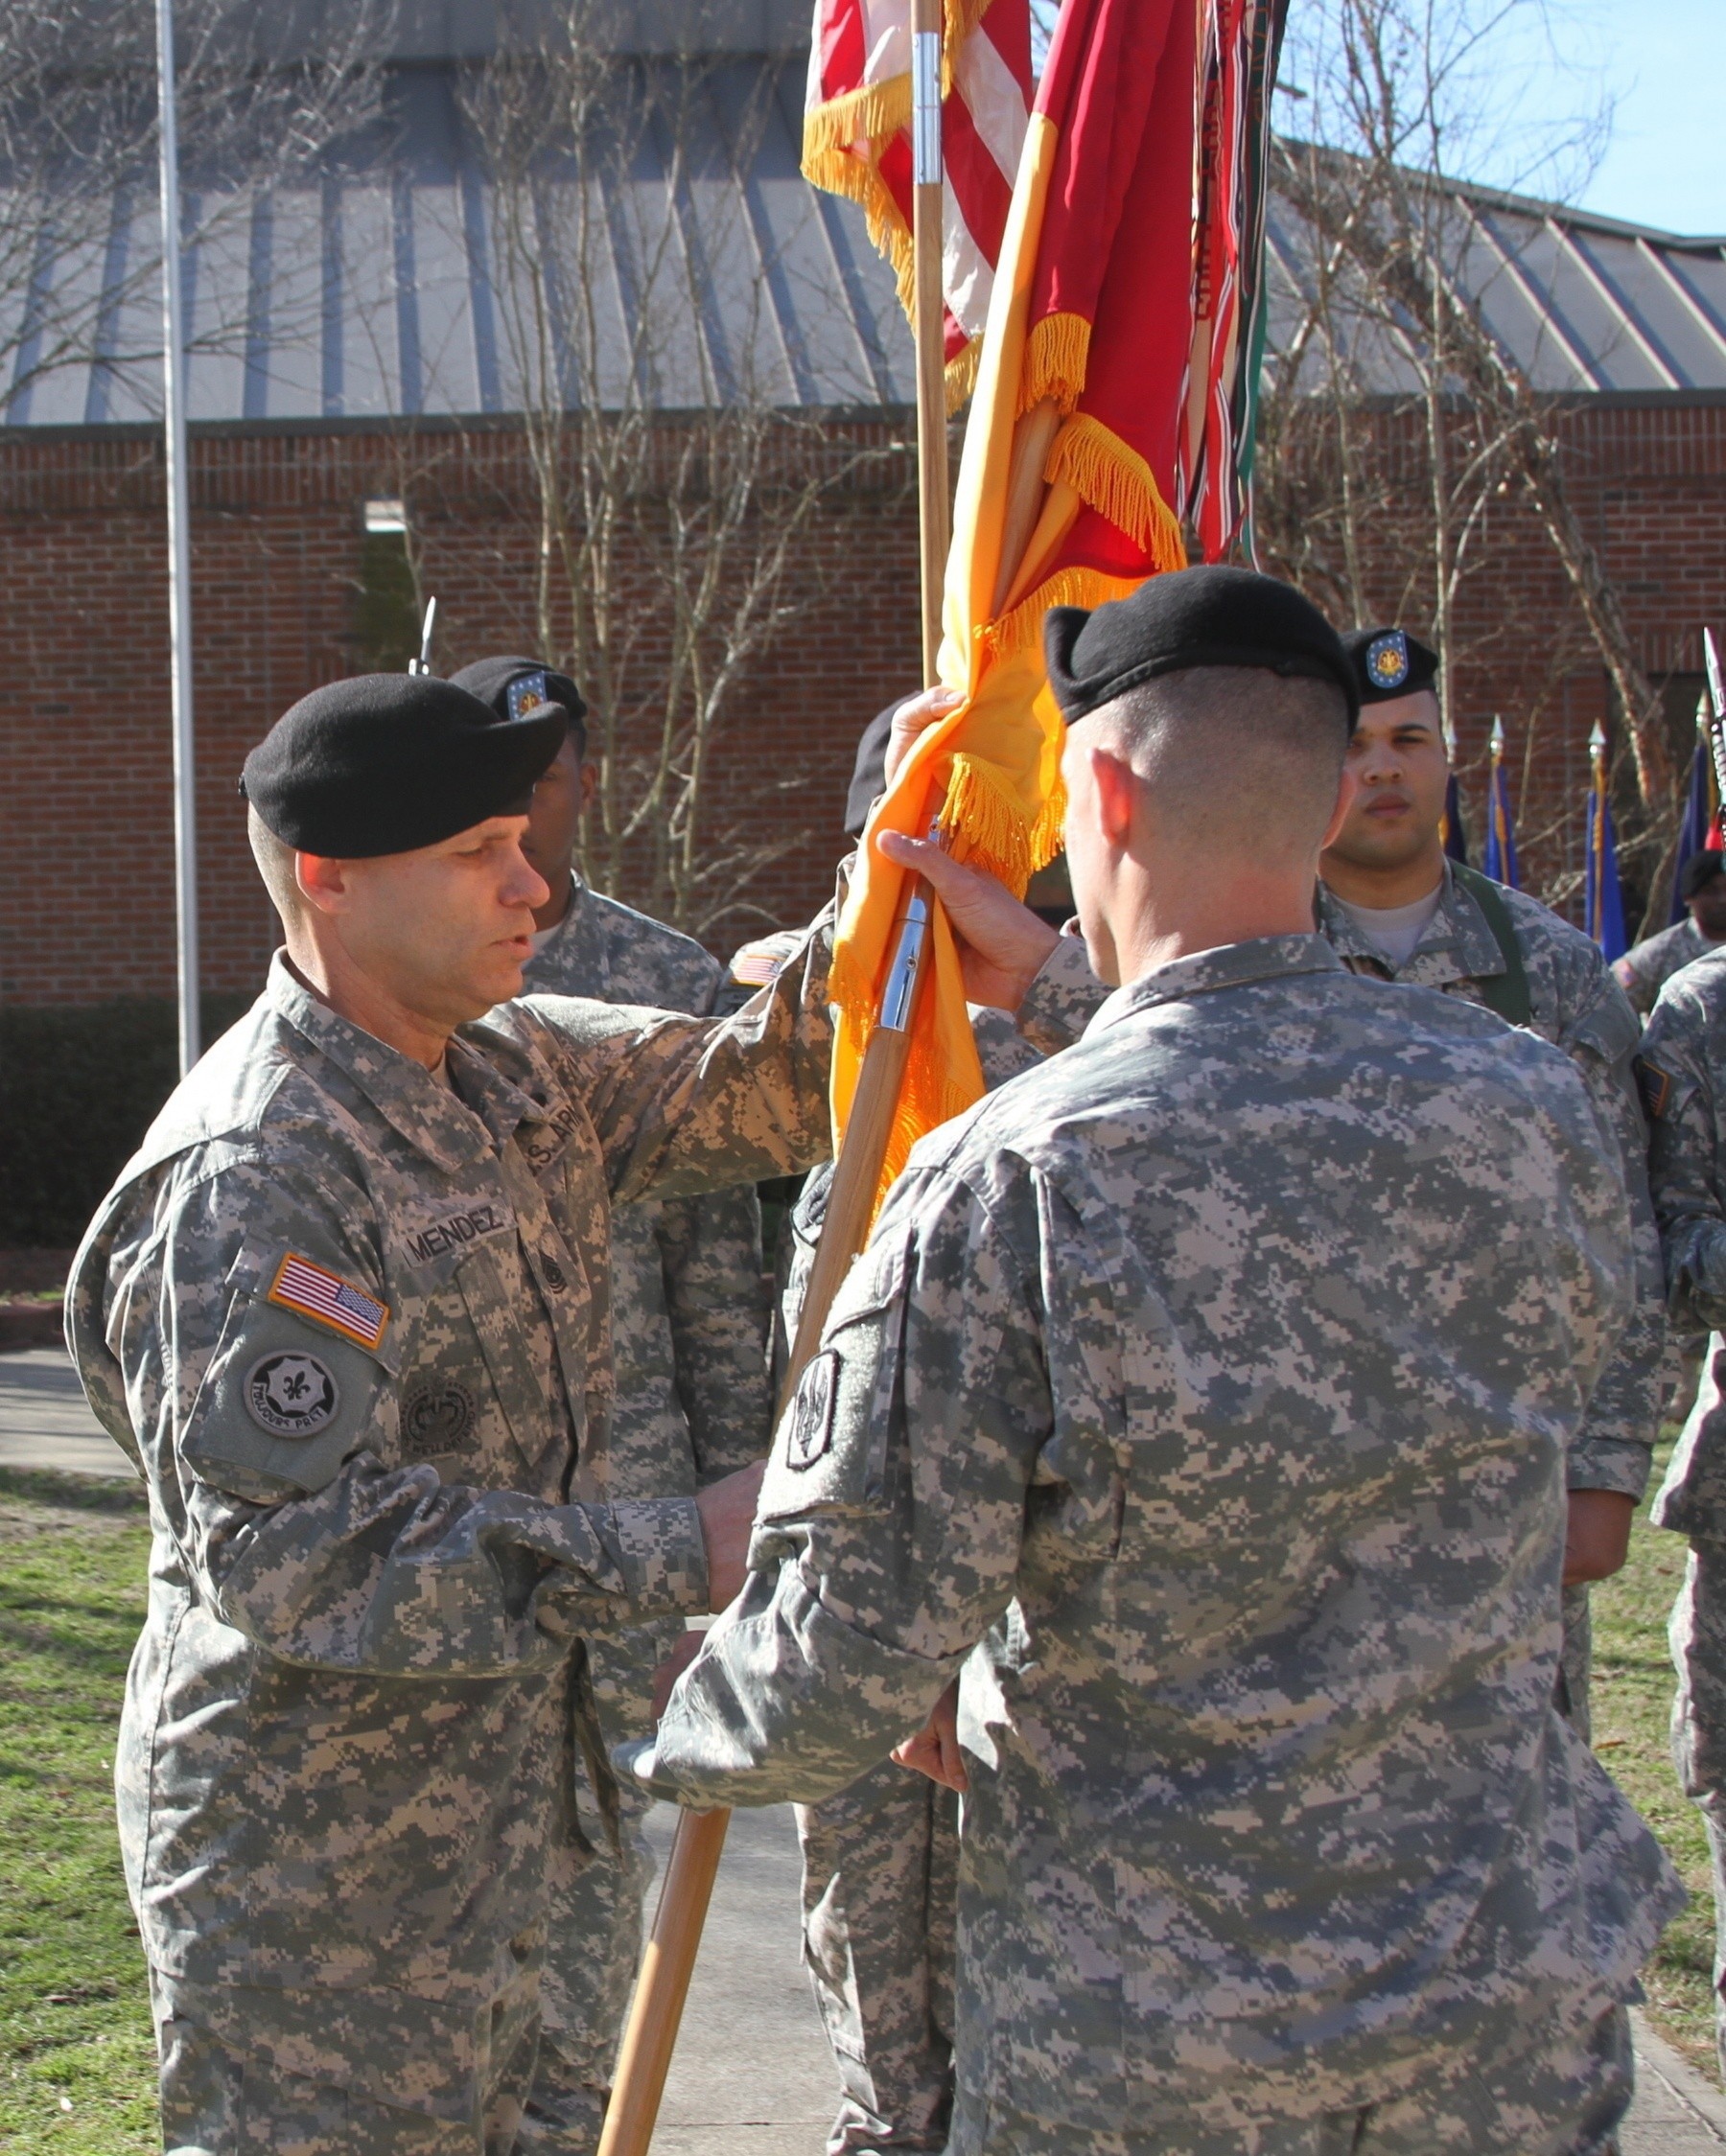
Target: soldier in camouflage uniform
{"type": "Point", "coordinates": [347, 1309]}
{"type": "Point", "coordinates": [1683, 1068]}
{"type": "Point", "coordinates": [1644, 970]}
{"type": "Point", "coordinates": [880, 1859]}
{"type": "Point", "coordinates": [688, 1321]}
{"type": "Point", "coordinates": [1220, 1374]}
{"type": "Point", "coordinates": [1392, 904]}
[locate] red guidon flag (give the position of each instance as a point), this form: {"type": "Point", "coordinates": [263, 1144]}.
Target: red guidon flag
{"type": "Point", "coordinates": [1112, 407]}
{"type": "Point", "coordinates": [857, 141]}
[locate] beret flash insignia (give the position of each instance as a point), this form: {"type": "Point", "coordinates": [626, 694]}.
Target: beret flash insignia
{"type": "Point", "coordinates": [527, 693]}
{"type": "Point", "coordinates": [1387, 660]}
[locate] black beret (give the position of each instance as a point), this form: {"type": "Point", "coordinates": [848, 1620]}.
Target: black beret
{"type": "Point", "coordinates": [1700, 872]}
{"type": "Point", "coordinates": [869, 774]}
{"type": "Point", "coordinates": [515, 687]}
{"type": "Point", "coordinates": [387, 763]}
{"type": "Point", "coordinates": [1211, 617]}
{"type": "Point", "coordinates": [1389, 662]}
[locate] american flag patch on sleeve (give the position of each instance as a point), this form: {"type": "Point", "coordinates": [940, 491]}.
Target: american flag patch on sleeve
{"type": "Point", "coordinates": [317, 1292]}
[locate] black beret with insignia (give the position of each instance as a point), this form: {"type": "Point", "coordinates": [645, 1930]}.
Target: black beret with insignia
{"type": "Point", "coordinates": [1210, 616]}
{"type": "Point", "coordinates": [384, 763]}
{"type": "Point", "coordinates": [515, 687]}
{"type": "Point", "coordinates": [1389, 662]}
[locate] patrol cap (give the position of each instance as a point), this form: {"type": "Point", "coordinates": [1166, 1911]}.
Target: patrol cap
{"type": "Point", "coordinates": [515, 687]}
{"type": "Point", "coordinates": [869, 774]}
{"type": "Point", "coordinates": [1700, 872]}
{"type": "Point", "coordinates": [384, 763]}
{"type": "Point", "coordinates": [1389, 662]}
{"type": "Point", "coordinates": [1209, 617]}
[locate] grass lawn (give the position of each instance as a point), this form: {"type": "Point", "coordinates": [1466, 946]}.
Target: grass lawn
{"type": "Point", "coordinates": [77, 2062]}
{"type": "Point", "coordinates": [76, 2059]}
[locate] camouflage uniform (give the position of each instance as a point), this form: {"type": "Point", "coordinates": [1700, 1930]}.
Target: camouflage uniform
{"type": "Point", "coordinates": [1253, 1477]}
{"type": "Point", "coordinates": [1578, 1007]}
{"type": "Point", "coordinates": [1684, 1077]}
{"type": "Point", "coordinates": [689, 1351]}
{"type": "Point", "coordinates": [348, 1756]}
{"type": "Point", "coordinates": [880, 1859]}
{"type": "Point", "coordinates": [1647, 966]}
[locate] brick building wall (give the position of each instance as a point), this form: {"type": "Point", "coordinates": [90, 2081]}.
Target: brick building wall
{"type": "Point", "coordinates": [86, 859]}
{"type": "Point", "coordinates": [87, 901]}
{"type": "Point", "coordinates": [1647, 474]}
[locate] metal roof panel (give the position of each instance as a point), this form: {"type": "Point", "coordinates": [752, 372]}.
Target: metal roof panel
{"type": "Point", "coordinates": [401, 280]}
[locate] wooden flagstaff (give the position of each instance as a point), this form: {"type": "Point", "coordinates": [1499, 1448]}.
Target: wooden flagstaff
{"type": "Point", "coordinates": [669, 1962]}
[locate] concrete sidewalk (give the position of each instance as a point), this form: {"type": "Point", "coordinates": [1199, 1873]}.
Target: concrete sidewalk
{"type": "Point", "coordinates": [45, 1421]}
{"type": "Point", "coordinates": [753, 2075]}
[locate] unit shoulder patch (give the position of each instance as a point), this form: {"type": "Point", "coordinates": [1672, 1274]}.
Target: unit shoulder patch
{"type": "Point", "coordinates": [811, 1430]}
{"type": "Point", "coordinates": [312, 1291]}
{"type": "Point", "coordinates": [291, 1394]}
{"type": "Point", "coordinates": [1655, 1086]}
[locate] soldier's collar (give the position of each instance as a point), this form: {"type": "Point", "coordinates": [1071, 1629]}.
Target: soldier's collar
{"type": "Point", "coordinates": [1469, 933]}
{"type": "Point", "coordinates": [427, 1115]}
{"type": "Point", "coordinates": [1457, 939]}
{"type": "Point", "coordinates": [1230, 966]}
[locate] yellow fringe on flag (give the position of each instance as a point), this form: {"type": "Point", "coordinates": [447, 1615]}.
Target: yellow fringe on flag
{"type": "Point", "coordinates": [1057, 353]}
{"type": "Point", "coordinates": [873, 116]}
{"type": "Point", "coordinates": [1048, 834]}
{"type": "Point", "coordinates": [961, 373]}
{"type": "Point", "coordinates": [983, 822]}
{"type": "Point", "coordinates": [1022, 625]}
{"type": "Point", "coordinates": [868, 119]}
{"type": "Point", "coordinates": [1117, 483]}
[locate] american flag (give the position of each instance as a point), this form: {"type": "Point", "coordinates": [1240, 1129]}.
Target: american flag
{"type": "Point", "coordinates": [857, 142]}
{"type": "Point", "coordinates": [317, 1292]}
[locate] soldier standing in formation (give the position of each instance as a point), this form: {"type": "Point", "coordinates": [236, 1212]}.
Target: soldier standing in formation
{"type": "Point", "coordinates": [347, 1310]}
{"type": "Point", "coordinates": [689, 1319]}
{"type": "Point", "coordinates": [1393, 905]}
{"type": "Point", "coordinates": [1683, 1067]}
{"type": "Point", "coordinates": [1643, 971]}
{"type": "Point", "coordinates": [1220, 1374]}
{"type": "Point", "coordinates": [880, 1859]}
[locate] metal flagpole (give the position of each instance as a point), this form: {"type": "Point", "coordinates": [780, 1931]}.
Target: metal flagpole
{"type": "Point", "coordinates": [179, 551]}
{"type": "Point", "coordinates": [668, 1962]}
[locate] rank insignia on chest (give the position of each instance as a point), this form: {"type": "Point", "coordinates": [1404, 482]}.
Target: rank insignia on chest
{"type": "Point", "coordinates": [527, 693]}
{"type": "Point", "coordinates": [314, 1291]}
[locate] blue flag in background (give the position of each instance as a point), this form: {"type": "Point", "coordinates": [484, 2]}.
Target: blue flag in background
{"type": "Point", "coordinates": [1501, 829]}
{"type": "Point", "coordinates": [1697, 828]}
{"type": "Point", "coordinates": [1456, 838]}
{"type": "Point", "coordinates": [1603, 900]}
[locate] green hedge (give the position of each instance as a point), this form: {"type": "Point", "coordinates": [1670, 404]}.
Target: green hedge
{"type": "Point", "coordinates": [79, 1085]}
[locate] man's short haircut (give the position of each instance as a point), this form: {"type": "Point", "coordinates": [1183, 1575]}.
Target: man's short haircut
{"type": "Point", "coordinates": [275, 865]}
{"type": "Point", "coordinates": [1236, 756]}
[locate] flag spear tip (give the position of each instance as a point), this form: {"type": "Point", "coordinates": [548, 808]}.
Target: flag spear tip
{"type": "Point", "coordinates": [1498, 735]}
{"type": "Point", "coordinates": [1597, 740]}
